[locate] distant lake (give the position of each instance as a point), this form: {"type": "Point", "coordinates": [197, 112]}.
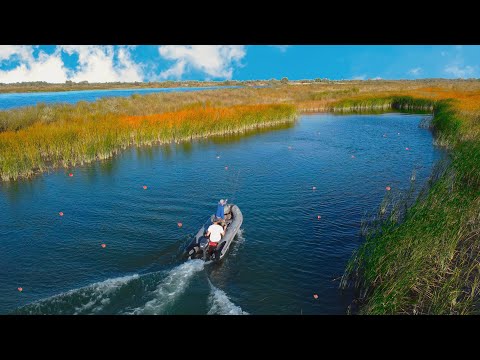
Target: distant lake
{"type": "Point", "coordinates": [12, 100]}
{"type": "Point", "coordinates": [333, 166]}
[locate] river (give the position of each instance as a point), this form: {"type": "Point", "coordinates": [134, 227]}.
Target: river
{"type": "Point", "coordinates": [333, 166]}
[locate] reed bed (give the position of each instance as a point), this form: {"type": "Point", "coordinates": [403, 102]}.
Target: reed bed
{"type": "Point", "coordinates": [311, 97]}
{"type": "Point", "coordinates": [426, 261]}
{"type": "Point", "coordinates": [65, 143]}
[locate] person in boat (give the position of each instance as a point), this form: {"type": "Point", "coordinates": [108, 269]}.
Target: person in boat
{"type": "Point", "coordinates": [215, 231]}
{"type": "Point", "coordinates": [220, 214]}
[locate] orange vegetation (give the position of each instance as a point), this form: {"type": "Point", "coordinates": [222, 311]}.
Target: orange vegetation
{"type": "Point", "coordinates": [68, 142]}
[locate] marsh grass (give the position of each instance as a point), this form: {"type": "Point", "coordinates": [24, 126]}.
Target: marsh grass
{"type": "Point", "coordinates": [423, 257]}
{"type": "Point", "coordinates": [65, 143]}
{"type": "Point", "coordinates": [383, 103]}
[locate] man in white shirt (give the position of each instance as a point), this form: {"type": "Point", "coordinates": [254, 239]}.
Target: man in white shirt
{"type": "Point", "coordinates": [215, 231]}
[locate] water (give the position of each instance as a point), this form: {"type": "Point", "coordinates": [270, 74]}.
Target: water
{"type": "Point", "coordinates": [282, 256]}
{"type": "Point", "coordinates": [12, 100]}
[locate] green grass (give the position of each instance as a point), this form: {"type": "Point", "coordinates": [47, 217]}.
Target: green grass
{"type": "Point", "coordinates": [389, 102]}
{"type": "Point", "coordinates": [427, 262]}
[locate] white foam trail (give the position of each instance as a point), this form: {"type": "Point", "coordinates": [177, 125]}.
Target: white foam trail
{"type": "Point", "coordinates": [171, 287]}
{"type": "Point", "coordinates": [102, 292]}
{"type": "Point", "coordinates": [89, 299]}
{"type": "Point", "coordinates": [222, 305]}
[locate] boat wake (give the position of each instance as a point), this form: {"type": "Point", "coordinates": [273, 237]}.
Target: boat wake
{"type": "Point", "coordinates": [92, 299]}
{"type": "Point", "coordinates": [221, 303]}
{"type": "Point", "coordinates": [149, 294]}
{"type": "Point", "coordinates": [170, 289]}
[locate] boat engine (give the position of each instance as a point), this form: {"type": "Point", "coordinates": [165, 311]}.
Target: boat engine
{"type": "Point", "coordinates": [204, 244]}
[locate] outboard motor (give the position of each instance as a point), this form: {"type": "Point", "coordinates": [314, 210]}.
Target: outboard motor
{"type": "Point", "coordinates": [204, 244]}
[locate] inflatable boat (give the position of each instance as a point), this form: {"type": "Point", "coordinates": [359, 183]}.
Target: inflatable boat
{"type": "Point", "coordinates": [202, 248]}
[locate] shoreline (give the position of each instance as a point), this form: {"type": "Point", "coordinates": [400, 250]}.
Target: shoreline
{"type": "Point", "coordinates": [53, 88]}
{"type": "Point", "coordinates": [34, 87]}
{"type": "Point", "coordinates": [108, 156]}
{"type": "Point", "coordinates": [400, 256]}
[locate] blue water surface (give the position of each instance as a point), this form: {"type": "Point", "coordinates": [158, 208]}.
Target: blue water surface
{"type": "Point", "coordinates": [282, 257]}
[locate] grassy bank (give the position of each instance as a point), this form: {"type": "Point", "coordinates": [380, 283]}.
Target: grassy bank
{"type": "Point", "coordinates": [427, 261]}
{"type": "Point", "coordinates": [78, 140]}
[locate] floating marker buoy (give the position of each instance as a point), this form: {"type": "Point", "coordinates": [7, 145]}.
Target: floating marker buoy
{"type": "Point", "coordinates": [384, 135]}
{"type": "Point", "coordinates": [226, 167]}
{"type": "Point", "coordinates": [218, 156]}
{"type": "Point", "coordinates": [319, 217]}
{"type": "Point", "coordinates": [144, 187]}
{"type": "Point", "coordinates": [398, 133]}
{"type": "Point", "coordinates": [407, 149]}
{"type": "Point", "coordinates": [289, 148]}
{"type": "Point", "coordinates": [60, 213]}
{"type": "Point", "coordinates": [314, 188]}
{"type": "Point", "coordinates": [353, 156]}
{"type": "Point", "coordinates": [315, 296]}
{"type": "Point", "coordinates": [179, 224]}
{"type": "Point", "coordinates": [104, 246]}
{"type": "Point", "coordinates": [388, 188]}
{"type": "Point", "coordinates": [20, 289]}
{"type": "Point", "coordinates": [70, 174]}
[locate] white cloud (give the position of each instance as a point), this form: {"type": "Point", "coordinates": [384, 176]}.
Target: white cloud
{"type": "Point", "coordinates": [282, 48]}
{"type": "Point", "coordinates": [415, 71]}
{"type": "Point", "coordinates": [377, 78]}
{"type": "Point", "coordinates": [45, 67]}
{"type": "Point", "coordinates": [176, 71]}
{"type": "Point", "coordinates": [22, 52]}
{"type": "Point", "coordinates": [359, 77]}
{"type": "Point", "coordinates": [214, 60]}
{"type": "Point", "coordinates": [460, 71]}
{"type": "Point", "coordinates": [95, 64]}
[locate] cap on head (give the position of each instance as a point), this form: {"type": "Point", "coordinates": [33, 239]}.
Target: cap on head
{"type": "Point", "coordinates": [222, 201]}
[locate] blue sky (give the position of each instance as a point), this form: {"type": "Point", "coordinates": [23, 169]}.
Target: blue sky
{"type": "Point", "coordinates": [96, 63]}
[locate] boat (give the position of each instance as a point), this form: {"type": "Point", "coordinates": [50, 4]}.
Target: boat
{"type": "Point", "coordinates": [202, 248]}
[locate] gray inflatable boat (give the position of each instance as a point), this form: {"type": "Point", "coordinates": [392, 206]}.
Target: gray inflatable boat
{"type": "Point", "coordinates": [201, 247]}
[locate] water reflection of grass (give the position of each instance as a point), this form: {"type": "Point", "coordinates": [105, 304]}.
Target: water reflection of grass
{"type": "Point", "coordinates": [237, 137]}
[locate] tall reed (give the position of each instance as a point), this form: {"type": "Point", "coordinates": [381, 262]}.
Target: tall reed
{"type": "Point", "coordinates": [429, 262]}
{"type": "Point", "coordinates": [69, 142]}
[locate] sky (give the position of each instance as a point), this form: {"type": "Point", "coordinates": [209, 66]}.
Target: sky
{"type": "Point", "coordinates": [111, 63]}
